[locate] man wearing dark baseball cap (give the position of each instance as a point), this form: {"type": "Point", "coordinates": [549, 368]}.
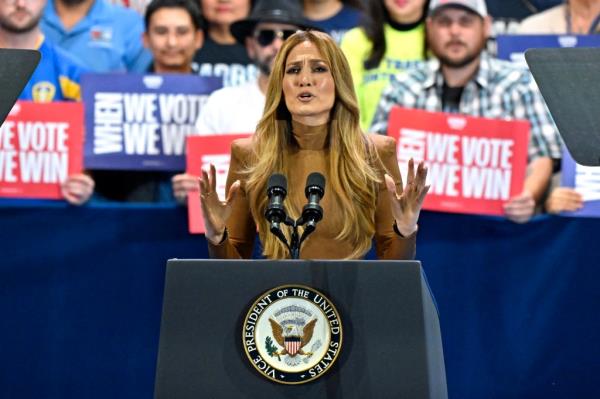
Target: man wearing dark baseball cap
{"type": "Point", "coordinates": [238, 109]}
{"type": "Point", "coordinates": [464, 79]}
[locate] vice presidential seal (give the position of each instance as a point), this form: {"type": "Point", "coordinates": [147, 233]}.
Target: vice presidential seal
{"type": "Point", "coordinates": [292, 334]}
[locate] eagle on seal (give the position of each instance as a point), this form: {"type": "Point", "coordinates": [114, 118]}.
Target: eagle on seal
{"type": "Point", "coordinates": [290, 339]}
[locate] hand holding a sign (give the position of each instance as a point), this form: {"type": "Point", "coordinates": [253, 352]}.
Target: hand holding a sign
{"type": "Point", "coordinates": [183, 184]}
{"type": "Point", "coordinates": [214, 211]}
{"type": "Point", "coordinates": [407, 201]}
{"type": "Point", "coordinates": [77, 189]}
{"type": "Point", "coordinates": [521, 208]}
{"type": "Point", "coordinates": [564, 199]}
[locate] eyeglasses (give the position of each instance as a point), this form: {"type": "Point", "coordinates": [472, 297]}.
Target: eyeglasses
{"type": "Point", "coordinates": [265, 37]}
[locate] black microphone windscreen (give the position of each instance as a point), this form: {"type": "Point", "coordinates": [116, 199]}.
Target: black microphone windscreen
{"type": "Point", "coordinates": [316, 179]}
{"type": "Point", "coordinates": [277, 180]}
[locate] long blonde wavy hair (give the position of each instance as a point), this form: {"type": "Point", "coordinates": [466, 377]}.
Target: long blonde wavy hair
{"type": "Point", "coordinates": [353, 175]}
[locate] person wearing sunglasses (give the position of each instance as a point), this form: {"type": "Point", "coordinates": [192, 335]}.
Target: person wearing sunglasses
{"type": "Point", "coordinates": [237, 109]}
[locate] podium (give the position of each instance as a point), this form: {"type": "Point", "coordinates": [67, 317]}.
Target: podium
{"type": "Point", "coordinates": [391, 346]}
{"type": "Point", "coordinates": [16, 67]}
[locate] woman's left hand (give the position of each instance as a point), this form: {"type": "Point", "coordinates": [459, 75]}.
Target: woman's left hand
{"type": "Point", "coordinates": [407, 201]}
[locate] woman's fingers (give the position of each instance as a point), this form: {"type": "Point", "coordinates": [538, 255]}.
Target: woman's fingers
{"type": "Point", "coordinates": [421, 174]}
{"type": "Point", "coordinates": [410, 178]}
{"type": "Point", "coordinates": [204, 184]}
{"type": "Point", "coordinates": [213, 178]}
{"type": "Point", "coordinates": [423, 193]}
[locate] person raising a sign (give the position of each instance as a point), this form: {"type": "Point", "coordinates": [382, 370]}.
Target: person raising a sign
{"type": "Point", "coordinates": [56, 78]}
{"type": "Point", "coordinates": [465, 79]}
{"type": "Point", "coordinates": [311, 124]}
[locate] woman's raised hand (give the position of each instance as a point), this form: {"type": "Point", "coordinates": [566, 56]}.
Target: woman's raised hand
{"type": "Point", "coordinates": [407, 200]}
{"type": "Point", "coordinates": [215, 211]}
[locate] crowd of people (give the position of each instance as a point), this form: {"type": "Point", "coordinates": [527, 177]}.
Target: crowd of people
{"type": "Point", "coordinates": [427, 54]}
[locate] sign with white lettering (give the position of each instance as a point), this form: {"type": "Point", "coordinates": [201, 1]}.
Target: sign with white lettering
{"type": "Point", "coordinates": [137, 122]}
{"type": "Point", "coordinates": [474, 164]}
{"type": "Point", "coordinates": [203, 151]}
{"type": "Point", "coordinates": [40, 146]}
{"type": "Point", "coordinates": [586, 181]}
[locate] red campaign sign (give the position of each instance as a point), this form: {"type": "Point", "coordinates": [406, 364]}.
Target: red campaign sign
{"type": "Point", "coordinates": [201, 151]}
{"type": "Point", "coordinates": [474, 164]}
{"type": "Point", "coordinates": [40, 146]}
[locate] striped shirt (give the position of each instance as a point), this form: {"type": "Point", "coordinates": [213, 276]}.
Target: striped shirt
{"type": "Point", "coordinates": [500, 90]}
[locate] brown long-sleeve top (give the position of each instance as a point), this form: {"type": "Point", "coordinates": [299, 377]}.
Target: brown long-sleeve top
{"type": "Point", "coordinates": [311, 155]}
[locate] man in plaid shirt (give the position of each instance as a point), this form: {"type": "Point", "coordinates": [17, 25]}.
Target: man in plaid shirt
{"type": "Point", "coordinates": [464, 79]}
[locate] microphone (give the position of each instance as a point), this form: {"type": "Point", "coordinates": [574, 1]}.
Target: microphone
{"type": "Point", "coordinates": [275, 212]}
{"type": "Point", "coordinates": [313, 212]}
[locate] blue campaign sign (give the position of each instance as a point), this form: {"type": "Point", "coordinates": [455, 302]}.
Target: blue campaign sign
{"type": "Point", "coordinates": [512, 47]}
{"type": "Point", "coordinates": [585, 180]}
{"type": "Point", "coordinates": [140, 122]}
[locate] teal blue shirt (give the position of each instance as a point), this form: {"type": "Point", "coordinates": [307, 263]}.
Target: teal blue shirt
{"type": "Point", "coordinates": [107, 39]}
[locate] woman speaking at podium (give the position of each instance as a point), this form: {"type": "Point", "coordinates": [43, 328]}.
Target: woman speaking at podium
{"type": "Point", "coordinates": [311, 124]}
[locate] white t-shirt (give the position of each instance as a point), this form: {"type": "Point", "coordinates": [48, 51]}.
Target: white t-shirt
{"type": "Point", "coordinates": [230, 110]}
{"type": "Point", "coordinates": [550, 21]}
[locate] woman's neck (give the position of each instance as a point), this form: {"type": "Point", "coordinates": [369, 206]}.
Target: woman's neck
{"type": "Point", "coordinates": [310, 137]}
{"type": "Point", "coordinates": [221, 34]}
{"type": "Point", "coordinates": [321, 10]}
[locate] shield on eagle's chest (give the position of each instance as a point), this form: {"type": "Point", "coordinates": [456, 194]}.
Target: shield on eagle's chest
{"type": "Point", "coordinates": [292, 345]}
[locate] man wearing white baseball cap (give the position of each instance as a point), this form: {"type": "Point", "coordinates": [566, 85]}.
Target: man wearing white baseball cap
{"type": "Point", "coordinates": [464, 79]}
{"type": "Point", "coordinates": [476, 6]}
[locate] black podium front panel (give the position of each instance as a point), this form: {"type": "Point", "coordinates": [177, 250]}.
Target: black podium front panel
{"type": "Point", "coordinates": [391, 337]}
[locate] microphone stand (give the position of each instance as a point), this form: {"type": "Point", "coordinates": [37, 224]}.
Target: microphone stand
{"type": "Point", "coordinates": [296, 240]}
{"type": "Point", "coordinates": [294, 245]}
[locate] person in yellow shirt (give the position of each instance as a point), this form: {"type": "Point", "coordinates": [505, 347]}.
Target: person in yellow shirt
{"type": "Point", "coordinates": [391, 40]}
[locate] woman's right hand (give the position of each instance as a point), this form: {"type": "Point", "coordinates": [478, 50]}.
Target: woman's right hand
{"type": "Point", "coordinates": [215, 211]}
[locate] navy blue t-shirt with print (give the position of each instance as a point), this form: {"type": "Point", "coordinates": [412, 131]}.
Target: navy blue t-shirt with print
{"type": "Point", "coordinates": [227, 61]}
{"type": "Point", "coordinates": [347, 18]}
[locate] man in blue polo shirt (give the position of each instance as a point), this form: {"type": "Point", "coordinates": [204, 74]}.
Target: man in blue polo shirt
{"type": "Point", "coordinates": [106, 37]}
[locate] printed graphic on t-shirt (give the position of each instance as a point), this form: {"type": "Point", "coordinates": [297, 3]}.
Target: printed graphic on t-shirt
{"type": "Point", "coordinates": [232, 74]}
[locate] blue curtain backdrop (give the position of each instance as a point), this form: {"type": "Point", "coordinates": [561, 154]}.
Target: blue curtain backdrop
{"type": "Point", "coordinates": [81, 292]}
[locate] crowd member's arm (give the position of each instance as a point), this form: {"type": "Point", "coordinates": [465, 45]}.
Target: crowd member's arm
{"type": "Point", "coordinates": [185, 184]}
{"type": "Point", "coordinates": [230, 228]}
{"type": "Point", "coordinates": [544, 145]}
{"type": "Point", "coordinates": [521, 208]}
{"type": "Point", "coordinates": [77, 189]}
{"type": "Point", "coordinates": [398, 204]}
